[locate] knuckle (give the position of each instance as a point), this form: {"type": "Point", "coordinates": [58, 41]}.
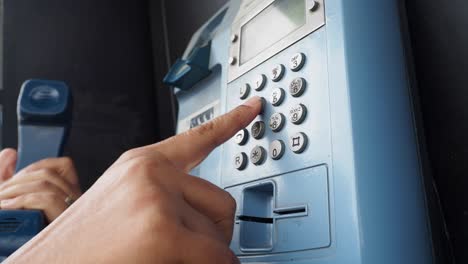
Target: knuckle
{"type": "Point", "coordinates": [46, 172]}
{"type": "Point", "coordinates": [44, 184]}
{"type": "Point", "coordinates": [140, 165]}
{"type": "Point", "coordinates": [131, 154]}
{"type": "Point", "coordinates": [67, 162]}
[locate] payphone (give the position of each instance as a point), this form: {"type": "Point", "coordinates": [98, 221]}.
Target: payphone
{"type": "Point", "coordinates": [330, 171]}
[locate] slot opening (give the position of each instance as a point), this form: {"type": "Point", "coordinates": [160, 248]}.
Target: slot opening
{"type": "Point", "coordinates": [256, 221]}
{"type": "Point", "coordinates": [292, 211]}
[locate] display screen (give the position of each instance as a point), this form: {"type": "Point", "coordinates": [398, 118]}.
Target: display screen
{"type": "Point", "coordinates": [271, 25]}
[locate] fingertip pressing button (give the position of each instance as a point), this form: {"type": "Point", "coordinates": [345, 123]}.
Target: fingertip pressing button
{"type": "Point", "coordinates": [264, 105]}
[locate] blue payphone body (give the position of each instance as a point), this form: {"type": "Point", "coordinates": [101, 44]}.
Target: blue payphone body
{"type": "Point", "coordinates": [330, 172]}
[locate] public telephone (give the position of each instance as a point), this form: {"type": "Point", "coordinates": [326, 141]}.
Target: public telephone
{"type": "Point", "coordinates": [330, 171]}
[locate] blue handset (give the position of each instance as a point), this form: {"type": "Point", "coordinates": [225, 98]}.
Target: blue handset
{"type": "Point", "coordinates": [44, 117]}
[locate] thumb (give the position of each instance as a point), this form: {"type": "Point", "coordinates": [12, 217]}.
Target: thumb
{"type": "Point", "coordinates": [7, 164]}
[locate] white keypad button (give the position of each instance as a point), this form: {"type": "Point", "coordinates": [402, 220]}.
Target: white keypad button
{"type": "Point", "coordinates": [257, 155]}
{"type": "Point", "coordinates": [241, 137]}
{"type": "Point", "coordinates": [277, 149]}
{"type": "Point", "coordinates": [240, 161]}
{"type": "Point", "coordinates": [298, 142]}
{"type": "Point", "coordinates": [259, 82]}
{"type": "Point", "coordinates": [244, 91]}
{"type": "Point", "coordinates": [277, 121]}
{"type": "Point", "coordinates": [297, 61]}
{"type": "Point", "coordinates": [297, 87]}
{"type": "Point", "coordinates": [277, 96]}
{"type": "Point", "coordinates": [258, 129]}
{"type": "Point", "coordinates": [297, 114]}
{"type": "Point", "coordinates": [277, 73]}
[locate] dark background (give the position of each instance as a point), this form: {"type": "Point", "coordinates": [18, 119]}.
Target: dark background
{"type": "Point", "coordinates": [114, 54]}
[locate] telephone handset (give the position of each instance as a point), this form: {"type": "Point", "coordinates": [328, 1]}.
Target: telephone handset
{"type": "Point", "coordinates": [44, 117]}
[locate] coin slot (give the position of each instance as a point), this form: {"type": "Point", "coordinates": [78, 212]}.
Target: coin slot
{"type": "Point", "coordinates": [293, 211]}
{"type": "Point", "coordinates": [254, 219]}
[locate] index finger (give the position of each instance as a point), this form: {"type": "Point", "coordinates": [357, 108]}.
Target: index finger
{"type": "Point", "coordinates": [188, 149]}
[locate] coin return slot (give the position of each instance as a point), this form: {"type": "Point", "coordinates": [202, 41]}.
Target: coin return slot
{"type": "Point", "coordinates": [256, 221]}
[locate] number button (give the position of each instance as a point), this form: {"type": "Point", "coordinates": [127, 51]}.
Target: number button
{"type": "Point", "coordinates": [258, 129]}
{"type": "Point", "coordinates": [277, 73]}
{"type": "Point", "coordinates": [257, 155]}
{"type": "Point", "coordinates": [297, 114]}
{"type": "Point", "coordinates": [277, 96]}
{"type": "Point", "coordinates": [277, 122]}
{"type": "Point", "coordinates": [298, 142]}
{"type": "Point", "coordinates": [244, 91]}
{"type": "Point", "coordinates": [259, 82]}
{"type": "Point", "coordinates": [240, 161]}
{"type": "Point", "coordinates": [241, 137]}
{"type": "Point", "coordinates": [277, 149]}
{"type": "Point", "coordinates": [297, 87]}
{"type": "Point", "coordinates": [297, 61]}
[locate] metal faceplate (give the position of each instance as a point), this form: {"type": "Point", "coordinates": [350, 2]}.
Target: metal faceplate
{"type": "Point", "coordinates": [357, 181]}
{"type": "Point", "coordinates": [315, 18]}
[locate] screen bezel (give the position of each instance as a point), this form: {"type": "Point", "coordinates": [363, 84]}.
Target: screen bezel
{"type": "Point", "coordinates": [314, 20]}
{"type": "Point", "coordinates": [251, 21]}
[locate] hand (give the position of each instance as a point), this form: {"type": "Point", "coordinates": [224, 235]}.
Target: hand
{"type": "Point", "coordinates": [44, 185]}
{"type": "Point", "coordinates": [147, 209]}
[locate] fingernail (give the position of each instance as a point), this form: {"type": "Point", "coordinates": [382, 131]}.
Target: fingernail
{"type": "Point", "coordinates": [252, 101]}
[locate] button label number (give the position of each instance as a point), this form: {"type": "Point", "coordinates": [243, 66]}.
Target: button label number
{"type": "Point", "coordinates": [277, 149]}
{"type": "Point", "coordinates": [297, 61]}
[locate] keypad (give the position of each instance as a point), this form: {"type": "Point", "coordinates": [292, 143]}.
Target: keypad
{"type": "Point", "coordinates": [257, 155]}
{"type": "Point", "coordinates": [277, 96]}
{"type": "Point", "coordinates": [298, 142]}
{"type": "Point", "coordinates": [259, 82]}
{"type": "Point", "coordinates": [244, 91]}
{"type": "Point", "coordinates": [277, 149]}
{"type": "Point", "coordinates": [240, 161]}
{"type": "Point", "coordinates": [297, 87]}
{"type": "Point", "coordinates": [294, 114]}
{"type": "Point", "coordinates": [258, 129]}
{"type": "Point", "coordinates": [241, 137]}
{"type": "Point", "coordinates": [277, 73]}
{"type": "Point", "coordinates": [297, 61]}
{"type": "Point", "coordinates": [297, 114]}
{"type": "Point", "coordinates": [277, 121]}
